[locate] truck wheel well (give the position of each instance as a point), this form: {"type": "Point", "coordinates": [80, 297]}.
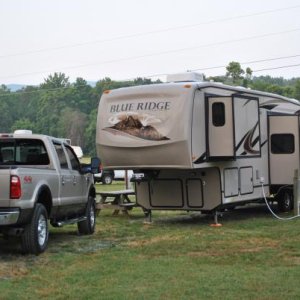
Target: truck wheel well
{"type": "Point", "coordinates": [92, 192]}
{"type": "Point", "coordinates": [45, 198]}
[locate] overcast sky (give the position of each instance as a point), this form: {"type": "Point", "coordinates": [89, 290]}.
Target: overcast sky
{"type": "Point", "coordinates": [127, 39]}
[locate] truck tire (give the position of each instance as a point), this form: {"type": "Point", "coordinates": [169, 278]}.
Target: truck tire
{"type": "Point", "coordinates": [107, 179]}
{"type": "Point", "coordinates": [88, 226]}
{"type": "Point", "coordinates": [36, 233]}
{"type": "Point", "coordinates": [285, 200]}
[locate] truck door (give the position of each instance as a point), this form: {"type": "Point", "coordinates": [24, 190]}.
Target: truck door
{"type": "Point", "coordinates": [283, 148]}
{"type": "Point", "coordinates": [220, 129]}
{"type": "Point", "coordinates": [79, 181]}
{"type": "Point", "coordinates": [70, 201]}
{"type": "Point", "coordinates": [65, 176]}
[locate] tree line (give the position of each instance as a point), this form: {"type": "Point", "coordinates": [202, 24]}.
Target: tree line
{"type": "Point", "coordinates": [60, 108]}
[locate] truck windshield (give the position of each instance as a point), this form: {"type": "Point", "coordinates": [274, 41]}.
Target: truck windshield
{"type": "Point", "coordinates": [23, 152]}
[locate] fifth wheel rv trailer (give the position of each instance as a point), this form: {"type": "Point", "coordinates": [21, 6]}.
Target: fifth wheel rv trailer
{"type": "Point", "coordinates": [200, 146]}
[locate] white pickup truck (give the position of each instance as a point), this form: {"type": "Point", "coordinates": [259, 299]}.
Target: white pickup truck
{"type": "Point", "coordinates": [42, 179]}
{"type": "Point", "coordinates": [107, 176]}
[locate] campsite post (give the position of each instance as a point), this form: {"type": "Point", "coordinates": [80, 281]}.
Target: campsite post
{"type": "Point", "coordinates": [296, 192]}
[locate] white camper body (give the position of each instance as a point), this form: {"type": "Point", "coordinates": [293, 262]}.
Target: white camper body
{"type": "Point", "coordinates": [200, 145]}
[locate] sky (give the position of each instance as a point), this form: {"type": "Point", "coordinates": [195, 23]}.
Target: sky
{"type": "Point", "coordinates": [137, 38]}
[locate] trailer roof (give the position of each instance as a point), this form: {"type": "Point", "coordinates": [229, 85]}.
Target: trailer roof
{"type": "Point", "coordinates": [239, 89]}
{"type": "Point", "coordinates": [217, 85]}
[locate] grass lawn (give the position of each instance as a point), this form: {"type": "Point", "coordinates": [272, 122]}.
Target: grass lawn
{"type": "Point", "coordinates": [179, 256]}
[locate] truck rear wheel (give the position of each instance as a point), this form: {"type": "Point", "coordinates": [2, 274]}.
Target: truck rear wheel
{"type": "Point", "coordinates": [36, 233]}
{"type": "Point", "coordinates": [88, 226]}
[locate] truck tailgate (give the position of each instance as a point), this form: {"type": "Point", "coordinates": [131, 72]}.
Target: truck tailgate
{"type": "Point", "coordinates": [4, 187]}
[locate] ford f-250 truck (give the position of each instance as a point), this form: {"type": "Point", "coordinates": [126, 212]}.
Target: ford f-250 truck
{"type": "Point", "coordinates": [42, 179]}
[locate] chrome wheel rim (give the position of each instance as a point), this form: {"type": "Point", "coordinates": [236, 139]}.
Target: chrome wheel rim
{"type": "Point", "coordinates": [92, 217]}
{"type": "Point", "coordinates": [42, 230]}
{"type": "Point", "coordinates": [287, 200]}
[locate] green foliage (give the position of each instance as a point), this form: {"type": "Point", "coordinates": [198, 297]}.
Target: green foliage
{"type": "Point", "coordinates": [23, 123]}
{"type": "Point", "coordinates": [297, 90]}
{"type": "Point", "coordinates": [57, 80]}
{"type": "Point", "coordinates": [235, 71]}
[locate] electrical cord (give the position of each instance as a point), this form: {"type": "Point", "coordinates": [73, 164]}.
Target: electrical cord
{"type": "Point", "coordinates": [272, 212]}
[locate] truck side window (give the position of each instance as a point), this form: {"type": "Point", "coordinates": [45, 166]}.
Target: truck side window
{"type": "Point", "coordinates": [61, 156]}
{"type": "Point", "coordinates": [218, 114]}
{"type": "Point", "coordinates": [73, 159]}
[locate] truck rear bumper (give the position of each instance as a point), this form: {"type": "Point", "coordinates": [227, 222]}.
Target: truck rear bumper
{"type": "Point", "coordinates": [9, 216]}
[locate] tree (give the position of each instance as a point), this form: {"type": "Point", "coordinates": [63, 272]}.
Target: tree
{"type": "Point", "coordinates": [248, 73]}
{"type": "Point", "coordinates": [23, 124]}
{"type": "Point", "coordinates": [297, 90]}
{"type": "Point", "coordinates": [90, 133]}
{"type": "Point", "coordinates": [72, 126]}
{"type": "Point", "coordinates": [54, 98]}
{"type": "Point", "coordinates": [81, 96]}
{"type": "Point", "coordinates": [6, 119]}
{"type": "Point", "coordinates": [57, 80]}
{"type": "Point", "coordinates": [235, 71]}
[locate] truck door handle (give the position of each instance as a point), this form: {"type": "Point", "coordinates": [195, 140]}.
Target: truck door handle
{"type": "Point", "coordinates": [63, 180]}
{"type": "Point", "coordinates": [74, 180]}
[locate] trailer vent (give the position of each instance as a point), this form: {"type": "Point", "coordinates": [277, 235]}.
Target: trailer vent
{"type": "Point", "coordinates": [185, 77]}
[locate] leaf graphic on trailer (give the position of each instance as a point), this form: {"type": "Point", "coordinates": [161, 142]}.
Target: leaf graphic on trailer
{"type": "Point", "coordinates": [249, 143]}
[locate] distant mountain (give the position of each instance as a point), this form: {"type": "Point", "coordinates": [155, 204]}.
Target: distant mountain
{"type": "Point", "coordinates": [15, 87]}
{"type": "Point", "coordinates": [92, 83]}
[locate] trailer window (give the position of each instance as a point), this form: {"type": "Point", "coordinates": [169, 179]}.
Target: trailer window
{"type": "Point", "coordinates": [282, 143]}
{"type": "Point", "coordinates": [218, 114]}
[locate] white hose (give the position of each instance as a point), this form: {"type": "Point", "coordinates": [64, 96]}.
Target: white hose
{"type": "Point", "coordinates": [272, 212]}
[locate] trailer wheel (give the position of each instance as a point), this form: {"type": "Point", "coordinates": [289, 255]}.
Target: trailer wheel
{"type": "Point", "coordinates": [36, 233]}
{"type": "Point", "coordinates": [285, 200]}
{"type": "Point", "coordinates": [88, 226]}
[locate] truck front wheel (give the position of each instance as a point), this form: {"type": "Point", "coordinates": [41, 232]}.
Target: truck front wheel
{"type": "Point", "coordinates": [88, 225]}
{"type": "Point", "coordinates": [36, 233]}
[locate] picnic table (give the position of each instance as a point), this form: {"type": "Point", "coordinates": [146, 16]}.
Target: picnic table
{"type": "Point", "coordinates": [116, 200]}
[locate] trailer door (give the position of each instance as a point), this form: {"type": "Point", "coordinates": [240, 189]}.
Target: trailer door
{"type": "Point", "coordinates": [220, 136]}
{"type": "Point", "coordinates": [283, 148]}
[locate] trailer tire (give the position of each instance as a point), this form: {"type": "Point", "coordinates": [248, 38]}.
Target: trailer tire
{"type": "Point", "coordinates": [88, 226]}
{"type": "Point", "coordinates": [285, 200]}
{"type": "Point", "coordinates": [36, 233]}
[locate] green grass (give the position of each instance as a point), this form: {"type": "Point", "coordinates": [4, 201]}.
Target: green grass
{"type": "Point", "coordinates": [179, 256]}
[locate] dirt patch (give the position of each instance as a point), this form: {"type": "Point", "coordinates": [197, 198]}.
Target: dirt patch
{"type": "Point", "coordinates": [154, 240]}
{"type": "Point", "coordinates": [254, 244]}
{"type": "Point", "coordinates": [250, 245]}
{"type": "Point", "coordinates": [10, 270]}
{"type": "Point", "coordinates": [95, 246]}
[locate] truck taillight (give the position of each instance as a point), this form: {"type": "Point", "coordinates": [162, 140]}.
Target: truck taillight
{"type": "Point", "coordinates": [15, 187]}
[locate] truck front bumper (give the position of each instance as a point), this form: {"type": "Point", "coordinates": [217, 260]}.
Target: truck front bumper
{"type": "Point", "coordinates": [9, 216]}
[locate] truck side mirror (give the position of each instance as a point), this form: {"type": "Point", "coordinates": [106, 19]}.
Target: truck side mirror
{"type": "Point", "coordinates": [95, 165]}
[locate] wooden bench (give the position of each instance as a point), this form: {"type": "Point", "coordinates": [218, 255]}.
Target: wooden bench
{"type": "Point", "coordinates": [117, 200]}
